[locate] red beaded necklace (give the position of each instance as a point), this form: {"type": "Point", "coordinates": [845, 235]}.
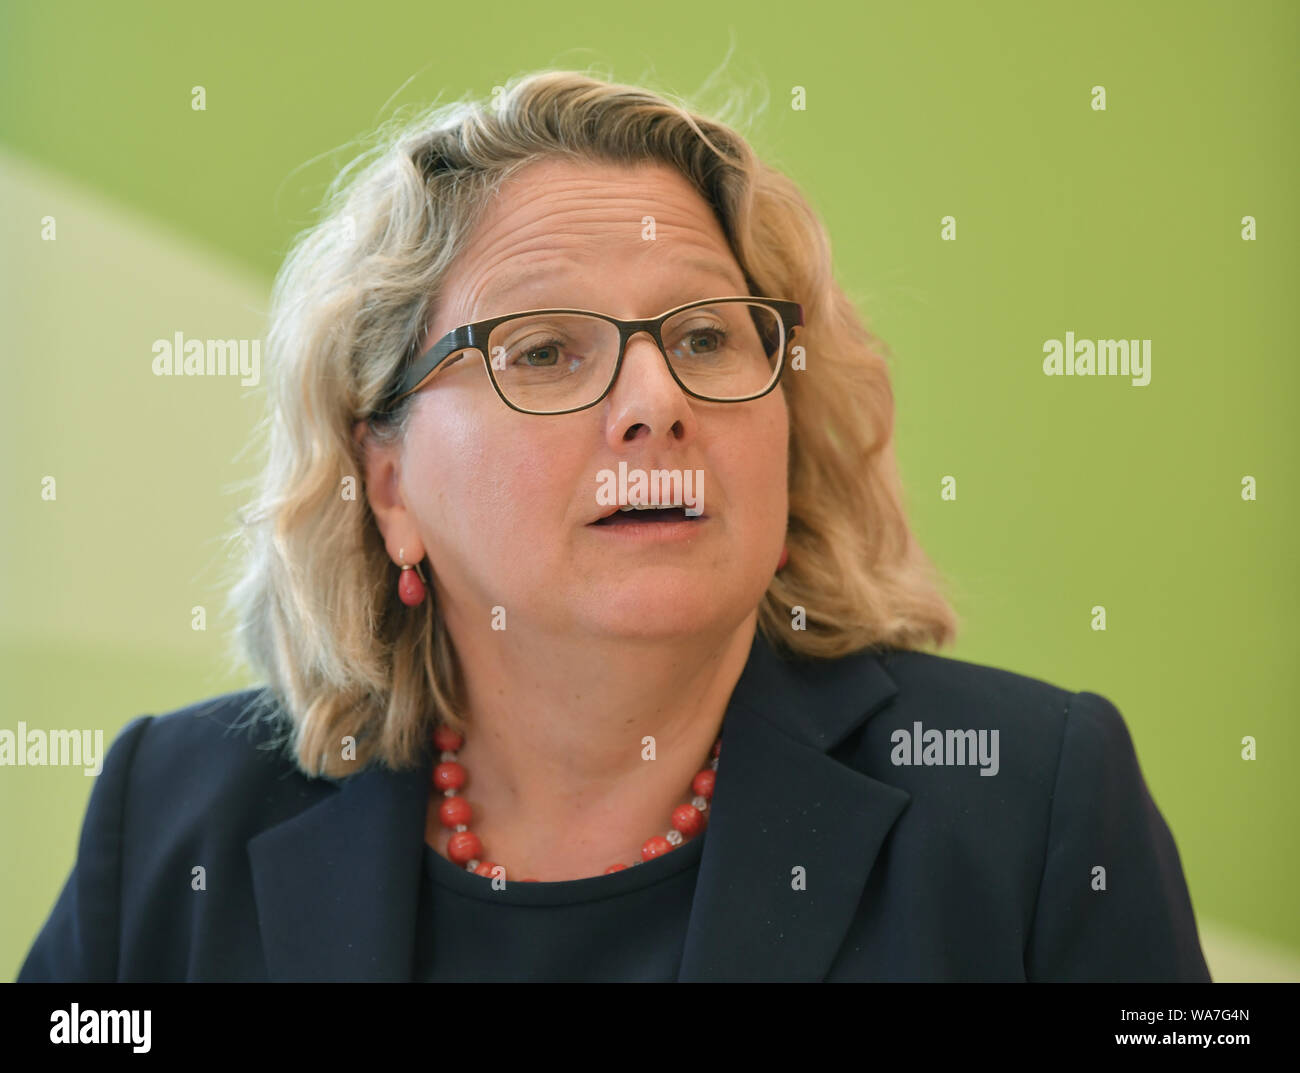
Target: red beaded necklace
{"type": "Point", "coordinates": [464, 847]}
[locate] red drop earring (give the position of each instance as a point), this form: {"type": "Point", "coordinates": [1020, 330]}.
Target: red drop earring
{"type": "Point", "coordinates": [410, 587]}
{"type": "Point", "coordinates": [785, 558]}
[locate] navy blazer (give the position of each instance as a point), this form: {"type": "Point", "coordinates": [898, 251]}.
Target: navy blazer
{"type": "Point", "coordinates": [909, 871]}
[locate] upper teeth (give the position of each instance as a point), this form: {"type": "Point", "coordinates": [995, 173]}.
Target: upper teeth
{"type": "Point", "coordinates": [652, 506]}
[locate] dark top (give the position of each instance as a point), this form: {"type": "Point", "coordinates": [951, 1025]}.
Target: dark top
{"type": "Point", "coordinates": [628, 926]}
{"type": "Point", "coordinates": [840, 846]}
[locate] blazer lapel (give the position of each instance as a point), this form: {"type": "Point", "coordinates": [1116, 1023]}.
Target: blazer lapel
{"type": "Point", "coordinates": [782, 804]}
{"type": "Point", "coordinates": [337, 886]}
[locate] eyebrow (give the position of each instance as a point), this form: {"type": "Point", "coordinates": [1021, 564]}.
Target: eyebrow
{"type": "Point", "coordinates": [504, 283]}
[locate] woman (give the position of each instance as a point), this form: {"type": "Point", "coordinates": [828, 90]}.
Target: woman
{"type": "Point", "coordinates": [591, 635]}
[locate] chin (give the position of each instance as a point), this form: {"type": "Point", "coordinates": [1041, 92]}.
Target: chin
{"type": "Point", "coordinates": [665, 610]}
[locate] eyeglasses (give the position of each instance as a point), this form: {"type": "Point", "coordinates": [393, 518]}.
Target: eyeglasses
{"type": "Point", "coordinates": [559, 361]}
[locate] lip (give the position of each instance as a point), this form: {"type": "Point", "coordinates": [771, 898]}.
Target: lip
{"type": "Point", "coordinates": [653, 532]}
{"type": "Point", "coordinates": [615, 510]}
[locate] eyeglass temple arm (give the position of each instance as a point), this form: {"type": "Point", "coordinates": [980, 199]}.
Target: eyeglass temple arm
{"type": "Point", "coordinates": [424, 365]}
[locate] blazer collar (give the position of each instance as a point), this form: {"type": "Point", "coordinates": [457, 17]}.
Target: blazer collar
{"type": "Point", "coordinates": [337, 886]}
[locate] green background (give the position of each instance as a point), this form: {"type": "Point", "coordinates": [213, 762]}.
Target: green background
{"type": "Point", "coordinates": [1071, 492]}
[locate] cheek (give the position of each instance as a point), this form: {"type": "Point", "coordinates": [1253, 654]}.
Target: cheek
{"type": "Point", "coordinates": [447, 450]}
{"type": "Point", "coordinates": [766, 460]}
{"type": "Point", "coordinates": [485, 478]}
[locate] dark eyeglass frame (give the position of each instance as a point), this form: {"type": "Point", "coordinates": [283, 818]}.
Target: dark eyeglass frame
{"type": "Point", "coordinates": [475, 337]}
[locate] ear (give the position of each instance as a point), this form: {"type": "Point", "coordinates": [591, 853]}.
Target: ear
{"type": "Point", "coordinates": [382, 470]}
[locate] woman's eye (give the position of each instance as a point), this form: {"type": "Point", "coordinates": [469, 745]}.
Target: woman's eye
{"type": "Point", "coordinates": [705, 340]}
{"type": "Point", "coordinates": [549, 356]}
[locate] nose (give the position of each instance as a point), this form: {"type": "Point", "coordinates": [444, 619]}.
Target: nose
{"type": "Point", "coordinates": [645, 399]}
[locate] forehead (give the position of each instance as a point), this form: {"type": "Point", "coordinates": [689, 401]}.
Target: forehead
{"type": "Point", "coordinates": [589, 192]}
{"type": "Point", "coordinates": [590, 236]}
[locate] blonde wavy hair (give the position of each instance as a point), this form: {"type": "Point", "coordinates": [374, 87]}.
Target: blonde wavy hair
{"type": "Point", "coordinates": [315, 596]}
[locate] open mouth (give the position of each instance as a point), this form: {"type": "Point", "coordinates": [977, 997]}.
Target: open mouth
{"type": "Point", "coordinates": [637, 516]}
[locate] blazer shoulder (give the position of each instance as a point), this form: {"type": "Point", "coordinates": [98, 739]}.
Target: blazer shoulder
{"type": "Point", "coordinates": [223, 760]}
{"type": "Point", "coordinates": [1020, 728]}
{"type": "Point", "coordinates": [241, 718]}
{"type": "Point", "coordinates": [1062, 841]}
{"type": "Point", "coordinates": [224, 731]}
{"type": "Point", "coordinates": [1038, 719]}
{"type": "Point", "coordinates": [957, 689]}
{"type": "Point", "coordinates": [189, 785]}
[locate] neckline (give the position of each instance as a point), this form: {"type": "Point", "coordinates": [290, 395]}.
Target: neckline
{"type": "Point", "coordinates": [567, 891]}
